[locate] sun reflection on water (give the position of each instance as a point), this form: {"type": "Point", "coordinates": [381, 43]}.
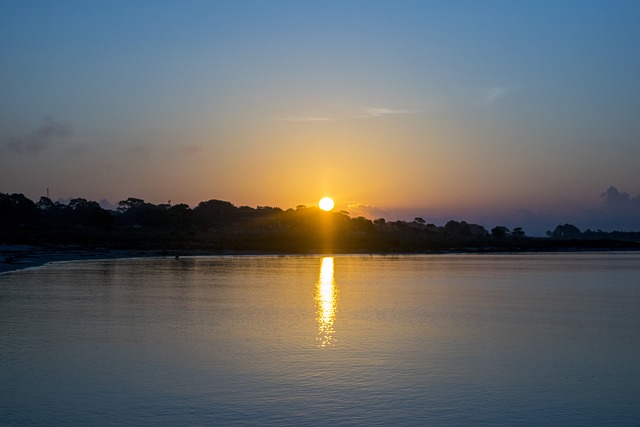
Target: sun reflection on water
{"type": "Point", "coordinates": [326, 302]}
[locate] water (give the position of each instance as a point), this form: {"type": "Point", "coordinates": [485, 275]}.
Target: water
{"type": "Point", "coordinates": [345, 340]}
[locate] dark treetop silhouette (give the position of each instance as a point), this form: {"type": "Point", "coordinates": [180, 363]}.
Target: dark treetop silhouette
{"type": "Point", "coordinates": [216, 226]}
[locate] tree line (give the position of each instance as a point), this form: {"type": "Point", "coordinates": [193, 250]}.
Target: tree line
{"type": "Point", "coordinates": [220, 225]}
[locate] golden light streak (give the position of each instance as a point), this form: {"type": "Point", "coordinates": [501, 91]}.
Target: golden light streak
{"type": "Point", "coordinates": [326, 303]}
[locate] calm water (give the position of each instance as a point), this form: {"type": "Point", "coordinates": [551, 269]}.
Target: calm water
{"type": "Point", "coordinates": [348, 340]}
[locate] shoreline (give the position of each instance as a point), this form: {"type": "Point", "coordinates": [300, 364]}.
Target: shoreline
{"type": "Point", "coordinates": [20, 257]}
{"type": "Point", "coordinates": [15, 257]}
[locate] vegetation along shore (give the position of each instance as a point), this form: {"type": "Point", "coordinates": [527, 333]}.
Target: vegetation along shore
{"type": "Point", "coordinates": [32, 233]}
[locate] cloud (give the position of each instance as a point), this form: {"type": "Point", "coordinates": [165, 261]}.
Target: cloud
{"type": "Point", "coordinates": [106, 204]}
{"type": "Point", "coordinates": [364, 113]}
{"type": "Point", "coordinates": [491, 95]}
{"type": "Point", "coordinates": [615, 199]}
{"type": "Point", "coordinates": [382, 111]}
{"type": "Point", "coordinates": [48, 134]}
{"type": "Point", "coordinates": [618, 211]}
{"type": "Point", "coordinates": [367, 211]}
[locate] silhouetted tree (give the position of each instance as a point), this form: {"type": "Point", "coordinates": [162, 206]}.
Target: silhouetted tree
{"type": "Point", "coordinates": [89, 213]}
{"type": "Point", "coordinates": [16, 209]}
{"type": "Point", "coordinates": [517, 233]}
{"type": "Point", "coordinates": [263, 228]}
{"type": "Point", "coordinates": [362, 224]}
{"type": "Point", "coordinates": [137, 212]}
{"type": "Point", "coordinates": [181, 216]}
{"type": "Point", "coordinates": [130, 203]}
{"type": "Point", "coordinates": [53, 214]}
{"type": "Point", "coordinates": [477, 230]}
{"type": "Point", "coordinates": [566, 231]}
{"type": "Point", "coordinates": [45, 204]}
{"type": "Point", "coordinates": [500, 232]}
{"type": "Point", "coordinates": [455, 228]}
{"type": "Point", "coordinates": [215, 213]}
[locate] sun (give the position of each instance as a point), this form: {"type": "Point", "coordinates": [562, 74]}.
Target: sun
{"type": "Point", "coordinates": [326, 204]}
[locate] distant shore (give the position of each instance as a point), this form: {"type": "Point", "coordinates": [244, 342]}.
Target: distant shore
{"type": "Point", "coordinates": [21, 256]}
{"type": "Point", "coordinates": [33, 234]}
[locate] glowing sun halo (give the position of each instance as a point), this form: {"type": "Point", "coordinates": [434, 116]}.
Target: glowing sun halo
{"type": "Point", "coordinates": [326, 204]}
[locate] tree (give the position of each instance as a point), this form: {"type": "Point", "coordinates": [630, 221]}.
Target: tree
{"type": "Point", "coordinates": [89, 213]}
{"type": "Point", "coordinates": [517, 233]}
{"type": "Point", "coordinates": [215, 212]}
{"type": "Point", "coordinates": [455, 228]}
{"type": "Point", "coordinates": [361, 224]}
{"type": "Point", "coordinates": [16, 209]}
{"type": "Point", "coordinates": [380, 222]}
{"type": "Point", "coordinates": [566, 231]}
{"type": "Point", "coordinates": [137, 212]}
{"type": "Point", "coordinates": [45, 204]}
{"type": "Point", "coordinates": [180, 216]}
{"type": "Point", "coordinates": [130, 203]}
{"type": "Point", "coordinates": [500, 232]}
{"type": "Point", "coordinates": [53, 214]}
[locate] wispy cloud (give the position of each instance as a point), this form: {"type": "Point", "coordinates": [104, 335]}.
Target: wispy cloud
{"type": "Point", "coordinates": [492, 94]}
{"type": "Point", "coordinates": [48, 134]}
{"type": "Point", "coordinates": [370, 112]}
{"type": "Point", "coordinates": [383, 111]}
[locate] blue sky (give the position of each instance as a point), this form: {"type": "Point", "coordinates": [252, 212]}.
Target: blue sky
{"type": "Point", "coordinates": [498, 112]}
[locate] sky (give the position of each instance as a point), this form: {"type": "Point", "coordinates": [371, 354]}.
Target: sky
{"type": "Point", "coordinates": [523, 114]}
